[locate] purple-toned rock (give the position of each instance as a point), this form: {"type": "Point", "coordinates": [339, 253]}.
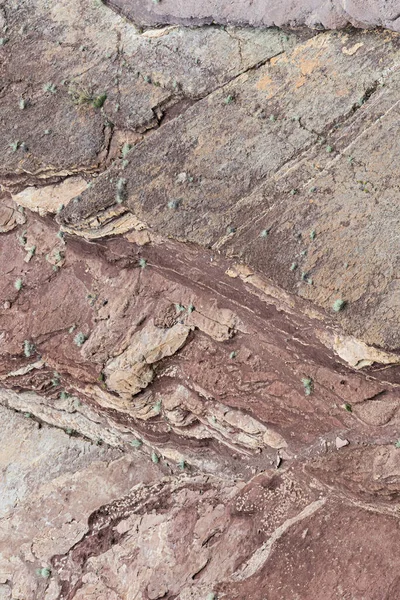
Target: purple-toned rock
{"type": "Point", "coordinates": [316, 14]}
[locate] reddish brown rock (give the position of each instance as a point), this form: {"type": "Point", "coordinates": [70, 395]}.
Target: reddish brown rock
{"type": "Point", "coordinates": [198, 310]}
{"type": "Point", "coordinates": [102, 525]}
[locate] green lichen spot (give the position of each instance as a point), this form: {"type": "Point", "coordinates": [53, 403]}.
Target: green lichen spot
{"type": "Point", "coordinates": [29, 348]}
{"type": "Point", "coordinates": [126, 148]}
{"type": "Point", "coordinates": [136, 443]}
{"type": "Point", "coordinates": [50, 87]}
{"type": "Point", "coordinates": [308, 385]}
{"type": "Point", "coordinates": [45, 572]}
{"type": "Point", "coordinates": [80, 339]}
{"type": "Point", "coordinates": [338, 305]}
{"type": "Point", "coordinates": [99, 100]}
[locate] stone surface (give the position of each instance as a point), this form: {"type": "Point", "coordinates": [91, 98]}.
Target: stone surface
{"type": "Point", "coordinates": [339, 443]}
{"type": "Point", "coordinates": [10, 216]}
{"type": "Point", "coordinates": [199, 357]}
{"type": "Point", "coordinates": [51, 198]}
{"type": "Point", "coordinates": [310, 178]}
{"type": "Point", "coordinates": [111, 524]}
{"type": "Point", "coordinates": [316, 14]}
{"type": "Point", "coordinates": [58, 480]}
{"type": "Point", "coordinates": [131, 371]}
{"type": "Point", "coordinates": [58, 132]}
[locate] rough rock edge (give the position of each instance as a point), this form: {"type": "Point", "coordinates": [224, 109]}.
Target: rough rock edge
{"type": "Point", "coordinates": [316, 14]}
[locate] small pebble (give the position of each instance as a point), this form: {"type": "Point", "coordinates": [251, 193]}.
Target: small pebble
{"type": "Point", "coordinates": [341, 443]}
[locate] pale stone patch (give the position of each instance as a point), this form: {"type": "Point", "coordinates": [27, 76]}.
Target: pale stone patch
{"type": "Point", "coordinates": [50, 198]}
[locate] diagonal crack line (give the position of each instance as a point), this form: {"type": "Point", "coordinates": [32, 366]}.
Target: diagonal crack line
{"type": "Point", "coordinates": [231, 79]}
{"type": "Point", "coordinates": [259, 558]}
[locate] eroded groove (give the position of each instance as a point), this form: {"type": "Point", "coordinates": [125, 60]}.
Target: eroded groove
{"type": "Point", "coordinates": [207, 316]}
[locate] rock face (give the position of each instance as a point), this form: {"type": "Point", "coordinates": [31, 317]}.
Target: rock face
{"type": "Point", "coordinates": [199, 341]}
{"type": "Point", "coordinates": [82, 521]}
{"type": "Point", "coordinates": [316, 14]}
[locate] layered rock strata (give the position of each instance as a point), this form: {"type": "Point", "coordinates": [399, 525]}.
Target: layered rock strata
{"type": "Point", "coordinates": [199, 361]}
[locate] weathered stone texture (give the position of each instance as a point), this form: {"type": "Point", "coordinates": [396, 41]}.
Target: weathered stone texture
{"type": "Point", "coordinates": [199, 341]}
{"type": "Point", "coordinates": [107, 525]}
{"type": "Point", "coordinates": [316, 14]}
